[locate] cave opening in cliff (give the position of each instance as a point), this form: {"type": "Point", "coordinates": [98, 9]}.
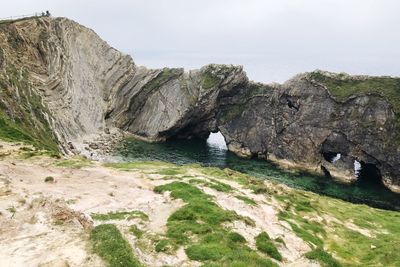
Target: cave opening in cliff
{"type": "Point", "coordinates": [367, 173]}
{"type": "Point", "coordinates": [217, 140]}
{"type": "Point", "coordinates": [332, 157]}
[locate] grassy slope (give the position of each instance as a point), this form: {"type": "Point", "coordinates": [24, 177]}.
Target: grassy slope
{"type": "Point", "coordinates": [340, 233]}
{"type": "Point", "coordinates": [323, 223]}
{"type": "Point", "coordinates": [332, 227]}
{"type": "Point", "coordinates": [214, 244]}
{"type": "Point", "coordinates": [22, 116]}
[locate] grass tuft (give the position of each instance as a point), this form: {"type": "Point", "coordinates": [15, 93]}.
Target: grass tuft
{"type": "Point", "coordinates": [136, 231]}
{"type": "Point", "coordinates": [76, 162]}
{"type": "Point", "coordinates": [120, 215]}
{"type": "Point", "coordinates": [324, 258]}
{"type": "Point", "coordinates": [265, 244]}
{"type": "Point", "coordinates": [247, 200]}
{"type": "Point", "coordinates": [165, 245]}
{"type": "Point", "coordinates": [49, 179]}
{"type": "Point", "coordinates": [109, 244]}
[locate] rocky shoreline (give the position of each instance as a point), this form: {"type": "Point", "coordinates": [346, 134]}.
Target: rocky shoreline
{"type": "Point", "coordinates": [76, 87]}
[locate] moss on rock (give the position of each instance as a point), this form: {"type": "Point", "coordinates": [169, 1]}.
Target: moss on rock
{"type": "Point", "coordinates": [23, 116]}
{"type": "Point", "coordinates": [342, 86]}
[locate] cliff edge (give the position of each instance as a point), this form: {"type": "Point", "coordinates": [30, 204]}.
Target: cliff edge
{"type": "Point", "coordinates": [62, 85]}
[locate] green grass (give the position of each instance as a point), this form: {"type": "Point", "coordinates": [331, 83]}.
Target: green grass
{"type": "Point", "coordinates": [256, 185]}
{"type": "Point", "coordinates": [109, 244]}
{"type": "Point", "coordinates": [199, 225]}
{"type": "Point", "coordinates": [236, 238]}
{"type": "Point", "coordinates": [311, 232]}
{"type": "Point", "coordinates": [219, 250]}
{"type": "Point", "coordinates": [325, 259]}
{"type": "Point", "coordinates": [219, 186]}
{"type": "Point", "coordinates": [196, 181]}
{"type": "Point", "coordinates": [76, 162]}
{"type": "Point", "coordinates": [209, 80]}
{"type": "Point", "coordinates": [22, 114]}
{"type": "Point", "coordinates": [120, 215]}
{"type": "Point", "coordinates": [305, 212]}
{"type": "Point", "coordinates": [165, 245]}
{"type": "Point", "coordinates": [349, 247]}
{"type": "Point", "coordinates": [280, 240]}
{"type": "Point", "coordinates": [171, 171]}
{"type": "Point", "coordinates": [266, 245]}
{"type": "Point", "coordinates": [212, 183]}
{"type": "Point", "coordinates": [342, 86]}
{"type": "Point", "coordinates": [140, 165]}
{"type": "Point", "coordinates": [247, 200]}
{"type": "Point", "coordinates": [136, 231]}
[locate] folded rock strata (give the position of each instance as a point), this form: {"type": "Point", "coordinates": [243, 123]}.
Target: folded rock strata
{"type": "Point", "coordinates": [82, 87]}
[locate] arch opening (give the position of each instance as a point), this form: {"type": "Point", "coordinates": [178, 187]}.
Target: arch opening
{"type": "Point", "coordinates": [367, 173]}
{"type": "Point", "coordinates": [217, 140]}
{"type": "Point", "coordinates": [332, 157]}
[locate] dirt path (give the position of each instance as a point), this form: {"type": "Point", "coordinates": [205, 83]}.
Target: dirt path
{"type": "Point", "coordinates": [46, 223]}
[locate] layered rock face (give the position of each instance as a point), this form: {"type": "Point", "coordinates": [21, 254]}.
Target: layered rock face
{"type": "Point", "coordinates": [87, 87]}
{"type": "Point", "coordinates": [70, 67]}
{"type": "Point", "coordinates": [300, 122]}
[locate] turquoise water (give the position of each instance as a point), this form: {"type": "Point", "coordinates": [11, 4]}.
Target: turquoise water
{"type": "Point", "coordinates": [206, 154]}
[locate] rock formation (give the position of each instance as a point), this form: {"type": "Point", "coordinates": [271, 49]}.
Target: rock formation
{"type": "Point", "coordinates": [83, 87]}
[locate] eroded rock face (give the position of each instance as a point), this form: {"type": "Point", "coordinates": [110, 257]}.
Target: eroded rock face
{"type": "Point", "coordinates": [299, 121]}
{"type": "Point", "coordinates": [88, 87]}
{"type": "Point", "coordinates": [159, 104]}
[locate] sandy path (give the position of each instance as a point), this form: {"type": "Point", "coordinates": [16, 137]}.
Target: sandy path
{"type": "Point", "coordinates": [31, 235]}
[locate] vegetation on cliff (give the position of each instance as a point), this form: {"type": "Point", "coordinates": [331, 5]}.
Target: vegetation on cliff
{"type": "Point", "coordinates": [23, 116]}
{"type": "Point", "coordinates": [342, 86]}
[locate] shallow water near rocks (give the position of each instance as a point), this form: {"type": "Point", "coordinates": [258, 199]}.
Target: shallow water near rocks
{"type": "Point", "coordinates": [214, 153]}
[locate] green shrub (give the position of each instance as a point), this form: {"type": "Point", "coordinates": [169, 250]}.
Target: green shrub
{"type": "Point", "coordinates": [49, 179]}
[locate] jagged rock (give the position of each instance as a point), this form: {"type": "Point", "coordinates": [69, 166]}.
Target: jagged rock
{"type": "Point", "coordinates": [87, 89]}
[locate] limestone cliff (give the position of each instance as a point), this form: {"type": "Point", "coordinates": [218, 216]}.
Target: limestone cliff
{"type": "Point", "coordinates": [83, 87]}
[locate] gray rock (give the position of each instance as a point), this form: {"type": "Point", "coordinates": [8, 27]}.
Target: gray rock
{"type": "Point", "coordinates": [91, 89]}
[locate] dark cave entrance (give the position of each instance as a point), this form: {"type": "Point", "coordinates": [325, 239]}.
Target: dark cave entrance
{"type": "Point", "coordinates": [331, 156]}
{"type": "Point", "coordinates": [367, 173]}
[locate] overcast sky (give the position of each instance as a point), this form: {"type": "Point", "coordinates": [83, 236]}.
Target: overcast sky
{"type": "Point", "coordinates": [272, 39]}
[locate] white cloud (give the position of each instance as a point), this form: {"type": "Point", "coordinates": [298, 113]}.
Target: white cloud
{"type": "Point", "coordinates": [273, 39]}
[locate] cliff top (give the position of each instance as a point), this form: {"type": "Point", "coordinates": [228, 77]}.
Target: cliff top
{"type": "Point", "coordinates": [342, 85]}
